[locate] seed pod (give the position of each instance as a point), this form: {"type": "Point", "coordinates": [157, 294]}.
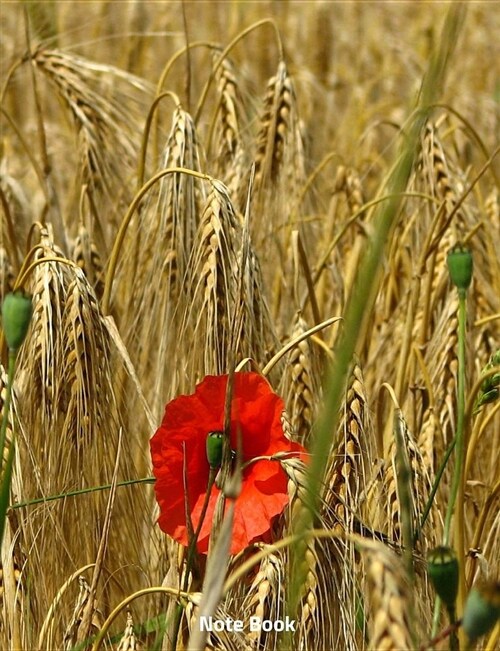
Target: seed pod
{"type": "Point", "coordinates": [17, 309]}
{"type": "Point", "coordinates": [442, 568]}
{"type": "Point", "coordinates": [215, 441]}
{"type": "Point", "coordinates": [460, 266]}
{"type": "Point", "coordinates": [482, 610]}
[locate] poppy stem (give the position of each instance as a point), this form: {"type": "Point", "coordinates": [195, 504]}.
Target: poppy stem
{"type": "Point", "coordinates": [191, 553]}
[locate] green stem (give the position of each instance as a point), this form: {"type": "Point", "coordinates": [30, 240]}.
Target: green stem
{"type": "Point", "coordinates": [453, 635]}
{"type": "Point", "coordinates": [6, 471]}
{"type": "Point", "coordinates": [81, 491]}
{"type": "Point", "coordinates": [459, 435]}
{"type": "Point", "coordinates": [459, 442]}
{"type": "Point", "coordinates": [434, 490]}
{"type": "Point", "coordinates": [6, 407]}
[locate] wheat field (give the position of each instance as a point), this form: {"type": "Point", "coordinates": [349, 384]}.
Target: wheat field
{"type": "Point", "coordinates": [274, 186]}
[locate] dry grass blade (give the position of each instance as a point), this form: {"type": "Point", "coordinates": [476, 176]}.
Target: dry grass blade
{"type": "Point", "coordinates": [12, 589]}
{"type": "Point", "coordinates": [311, 599]}
{"type": "Point", "coordinates": [82, 602]}
{"type": "Point", "coordinates": [89, 609]}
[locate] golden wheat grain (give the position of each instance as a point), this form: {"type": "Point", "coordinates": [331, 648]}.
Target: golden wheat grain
{"type": "Point", "coordinates": [321, 613]}
{"type": "Point", "coordinates": [153, 272]}
{"type": "Point", "coordinates": [217, 640]}
{"type": "Point", "coordinates": [87, 257]}
{"type": "Point", "coordinates": [263, 598]}
{"type": "Point", "coordinates": [441, 362]}
{"type": "Point", "coordinates": [428, 433]}
{"type": "Point", "coordinates": [486, 280]}
{"type": "Point", "coordinates": [348, 184]}
{"type": "Point", "coordinates": [303, 384]}
{"type": "Point", "coordinates": [229, 154]}
{"type": "Point", "coordinates": [129, 640]}
{"type": "Point", "coordinates": [73, 429]}
{"type": "Point", "coordinates": [279, 142]}
{"type": "Point", "coordinates": [346, 479]}
{"type": "Point", "coordinates": [419, 487]}
{"type": "Point", "coordinates": [492, 208]}
{"type": "Point", "coordinates": [259, 339]}
{"type": "Point", "coordinates": [107, 143]}
{"type": "Point", "coordinates": [212, 282]}
{"type": "Point", "coordinates": [82, 393]}
{"type": "Point", "coordinates": [390, 623]}
{"type": "Point", "coordinates": [49, 285]}
{"type": "Point", "coordinates": [8, 417]}
{"type": "Point", "coordinates": [179, 198]}
{"type": "Point", "coordinates": [446, 188]}
{"type": "Point", "coordinates": [228, 118]}
{"type": "Point", "coordinates": [348, 472]}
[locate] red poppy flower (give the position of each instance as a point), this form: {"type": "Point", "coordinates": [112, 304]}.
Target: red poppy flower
{"type": "Point", "coordinates": [181, 440]}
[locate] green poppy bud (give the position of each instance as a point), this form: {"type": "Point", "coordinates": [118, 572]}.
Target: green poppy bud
{"type": "Point", "coordinates": [215, 442]}
{"type": "Point", "coordinates": [482, 610]}
{"type": "Point", "coordinates": [460, 266]}
{"type": "Point", "coordinates": [16, 316]}
{"type": "Point", "coordinates": [442, 568]}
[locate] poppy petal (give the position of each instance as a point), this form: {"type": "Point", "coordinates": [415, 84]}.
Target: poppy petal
{"type": "Point", "coordinates": [178, 452]}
